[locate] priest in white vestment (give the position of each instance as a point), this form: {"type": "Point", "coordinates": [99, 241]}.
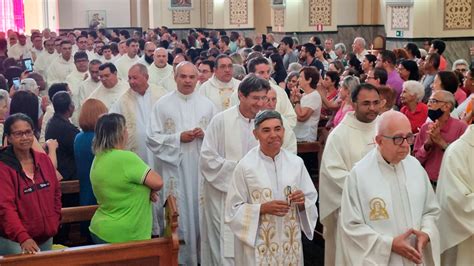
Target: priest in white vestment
{"type": "Point", "coordinates": [228, 138]}
{"type": "Point", "coordinates": [388, 207]}
{"type": "Point", "coordinates": [289, 140]}
{"type": "Point", "coordinates": [270, 200]}
{"type": "Point", "coordinates": [455, 193]}
{"type": "Point", "coordinates": [177, 127]}
{"type": "Point", "coordinates": [88, 86]}
{"type": "Point", "coordinates": [147, 57]}
{"type": "Point", "coordinates": [75, 78]}
{"type": "Point", "coordinates": [221, 86]}
{"type": "Point", "coordinates": [351, 140]}
{"type": "Point", "coordinates": [62, 66]}
{"type": "Point", "coordinates": [111, 88]}
{"type": "Point", "coordinates": [161, 73]}
{"type": "Point", "coordinates": [261, 67]}
{"type": "Point", "coordinates": [129, 59]}
{"type": "Point", "coordinates": [44, 60]}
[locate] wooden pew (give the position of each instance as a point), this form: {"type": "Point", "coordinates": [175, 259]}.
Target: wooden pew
{"type": "Point", "coordinates": [307, 147]}
{"type": "Point", "coordinates": [157, 251]}
{"type": "Point", "coordinates": [70, 187]}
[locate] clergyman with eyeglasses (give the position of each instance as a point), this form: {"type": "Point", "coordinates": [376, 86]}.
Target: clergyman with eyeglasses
{"type": "Point", "coordinates": [388, 207]}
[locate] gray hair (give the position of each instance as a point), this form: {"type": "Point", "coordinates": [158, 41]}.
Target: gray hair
{"type": "Point", "coordinates": [239, 71]}
{"type": "Point", "coordinates": [360, 40]}
{"type": "Point", "coordinates": [109, 132]}
{"type": "Point", "coordinates": [459, 62]}
{"type": "Point", "coordinates": [414, 88]}
{"type": "Point", "coordinates": [29, 84]}
{"type": "Point", "coordinates": [141, 68]}
{"type": "Point", "coordinates": [180, 65]}
{"type": "Point", "coordinates": [291, 75]}
{"type": "Point", "coordinates": [350, 82]}
{"type": "Point", "coordinates": [295, 66]}
{"type": "Point", "coordinates": [265, 115]}
{"type": "Point", "coordinates": [340, 46]}
{"type": "Point", "coordinates": [448, 97]}
{"type": "Point", "coordinates": [4, 96]}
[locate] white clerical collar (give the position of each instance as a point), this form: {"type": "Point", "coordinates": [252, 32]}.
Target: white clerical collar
{"type": "Point", "coordinates": [384, 162]}
{"type": "Point", "coordinates": [351, 120]}
{"type": "Point", "coordinates": [248, 120]}
{"type": "Point", "coordinates": [183, 96]}
{"type": "Point", "coordinates": [167, 68]}
{"type": "Point", "coordinates": [266, 157]}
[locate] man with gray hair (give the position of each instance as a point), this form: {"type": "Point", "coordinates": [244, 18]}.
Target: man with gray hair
{"type": "Point", "coordinates": [161, 73]}
{"type": "Point", "coordinates": [270, 190]}
{"type": "Point", "coordinates": [174, 135]}
{"type": "Point", "coordinates": [358, 47]}
{"type": "Point", "coordinates": [436, 135]}
{"type": "Point", "coordinates": [388, 207]}
{"type": "Point", "coordinates": [340, 50]}
{"type": "Point", "coordinates": [228, 138]}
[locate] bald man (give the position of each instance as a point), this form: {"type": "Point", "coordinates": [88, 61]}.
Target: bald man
{"type": "Point", "coordinates": [175, 134]}
{"type": "Point", "coordinates": [388, 208]}
{"type": "Point", "coordinates": [147, 58]}
{"type": "Point", "coordinates": [161, 73]}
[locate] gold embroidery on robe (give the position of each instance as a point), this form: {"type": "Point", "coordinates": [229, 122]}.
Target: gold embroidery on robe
{"type": "Point", "coordinates": [225, 94]}
{"type": "Point", "coordinates": [377, 209]}
{"type": "Point", "coordinates": [170, 126]}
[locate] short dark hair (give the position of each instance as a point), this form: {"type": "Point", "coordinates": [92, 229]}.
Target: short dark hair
{"type": "Point", "coordinates": [12, 119]}
{"type": "Point", "coordinates": [381, 74]}
{"type": "Point", "coordinates": [316, 39]}
{"type": "Point", "coordinates": [449, 81]}
{"type": "Point", "coordinates": [219, 57]}
{"type": "Point", "coordinates": [439, 45]}
{"type": "Point", "coordinates": [80, 55]}
{"type": "Point", "coordinates": [363, 86]}
{"type": "Point", "coordinates": [61, 102]}
{"type": "Point", "coordinates": [311, 73]}
{"type": "Point", "coordinates": [129, 41]}
{"type": "Point", "coordinates": [255, 62]}
{"type": "Point", "coordinates": [56, 87]}
{"type": "Point", "coordinates": [111, 66]}
{"type": "Point", "coordinates": [27, 103]}
{"type": "Point", "coordinates": [371, 58]}
{"type": "Point", "coordinates": [225, 39]}
{"type": "Point", "coordinates": [435, 60]}
{"type": "Point", "coordinates": [80, 36]}
{"type": "Point", "coordinates": [334, 76]}
{"type": "Point", "coordinates": [288, 41]}
{"type": "Point", "coordinates": [125, 33]}
{"type": "Point", "coordinates": [310, 48]}
{"type": "Point", "coordinates": [389, 56]}
{"type": "Point", "coordinates": [210, 63]}
{"type": "Point", "coordinates": [65, 42]}
{"type": "Point", "coordinates": [413, 48]}
{"type": "Point", "coordinates": [252, 83]}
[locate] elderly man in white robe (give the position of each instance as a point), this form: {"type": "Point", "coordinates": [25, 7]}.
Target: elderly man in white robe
{"type": "Point", "coordinates": [62, 66]}
{"type": "Point", "coordinates": [125, 62]}
{"type": "Point", "coordinates": [111, 88]}
{"type": "Point", "coordinates": [75, 78]}
{"type": "Point", "coordinates": [228, 138]}
{"type": "Point", "coordinates": [175, 134]}
{"type": "Point", "coordinates": [261, 67]}
{"type": "Point", "coordinates": [88, 86]}
{"type": "Point", "coordinates": [455, 193]}
{"type": "Point", "coordinates": [161, 73]}
{"type": "Point", "coordinates": [270, 200]}
{"type": "Point", "coordinates": [346, 144]}
{"type": "Point", "coordinates": [220, 88]}
{"type": "Point", "coordinates": [388, 206]}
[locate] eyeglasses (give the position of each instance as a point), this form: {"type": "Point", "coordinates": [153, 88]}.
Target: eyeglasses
{"type": "Point", "coordinates": [398, 140]}
{"type": "Point", "coordinates": [19, 134]}
{"type": "Point", "coordinates": [435, 101]}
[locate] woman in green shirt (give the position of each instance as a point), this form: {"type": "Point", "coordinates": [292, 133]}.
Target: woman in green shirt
{"type": "Point", "coordinates": [123, 186]}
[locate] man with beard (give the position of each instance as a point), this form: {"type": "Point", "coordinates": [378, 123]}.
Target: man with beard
{"type": "Point", "coordinates": [346, 144]}
{"type": "Point", "coordinates": [147, 58]}
{"type": "Point", "coordinates": [307, 56]}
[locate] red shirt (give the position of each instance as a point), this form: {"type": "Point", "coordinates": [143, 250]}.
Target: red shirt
{"type": "Point", "coordinates": [28, 208]}
{"type": "Point", "coordinates": [417, 118]}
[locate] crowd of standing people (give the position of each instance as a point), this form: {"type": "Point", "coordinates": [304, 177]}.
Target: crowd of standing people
{"type": "Point", "coordinates": [215, 120]}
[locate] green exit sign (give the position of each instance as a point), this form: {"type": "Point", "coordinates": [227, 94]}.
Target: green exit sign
{"type": "Point", "coordinates": [399, 33]}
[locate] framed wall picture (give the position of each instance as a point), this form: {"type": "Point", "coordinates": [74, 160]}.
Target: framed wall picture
{"type": "Point", "coordinates": [181, 4]}
{"type": "Point", "coordinates": [96, 19]}
{"type": "Point", "coordinates": [278, 3]}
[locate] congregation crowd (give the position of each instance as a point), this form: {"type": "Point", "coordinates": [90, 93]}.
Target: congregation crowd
{"type": "Point", "coordinates": [215, 119]}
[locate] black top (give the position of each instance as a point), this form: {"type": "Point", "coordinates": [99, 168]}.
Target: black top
{"type": "Point", "coordinates": [64, 132]}
{"type": "Point", "coordinates": [279, 76]}
{"type": "Point", "coordinates": [319, 65]}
